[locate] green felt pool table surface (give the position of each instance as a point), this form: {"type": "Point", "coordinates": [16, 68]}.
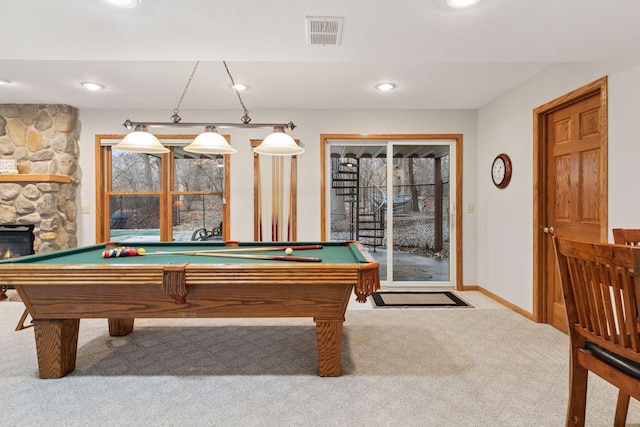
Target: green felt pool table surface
{"type": "Point", "coordinates": [330, 253]}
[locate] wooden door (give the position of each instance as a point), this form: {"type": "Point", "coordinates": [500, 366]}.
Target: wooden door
{"type": "Point", "coordinates": [575, 185]}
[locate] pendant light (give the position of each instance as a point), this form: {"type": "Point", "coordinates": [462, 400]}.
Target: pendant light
{"type": "Point", "coordinates": [210, 142]}
{"type": "Point", "coordinates": [278, 144]}
{"type": "Point", "coordinates": [141, 141]}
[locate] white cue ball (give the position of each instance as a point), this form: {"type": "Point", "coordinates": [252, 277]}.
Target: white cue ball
{"type": "Point", "coordinates": [288, 251]}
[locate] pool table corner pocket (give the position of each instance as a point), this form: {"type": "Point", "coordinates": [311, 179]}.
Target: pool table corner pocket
{"type": "Point", "coordinates": [368, 281]}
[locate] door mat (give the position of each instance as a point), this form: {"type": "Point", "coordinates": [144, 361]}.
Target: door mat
{"type": "Point", "coordinates": [418, 299]}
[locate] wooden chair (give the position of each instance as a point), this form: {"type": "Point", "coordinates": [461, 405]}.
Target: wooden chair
{"type": "Point", "coordinates": [626, 236]}
{"type": "Point", "coordinates": [601, 287]}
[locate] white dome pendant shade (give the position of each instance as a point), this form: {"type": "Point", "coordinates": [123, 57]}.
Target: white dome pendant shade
{"type": "Point", "coordinates": [278, 144]}
{"type": "Point", "coordinates": [210, 142]}
{"type": "Point", "coordinates": [141, 141]}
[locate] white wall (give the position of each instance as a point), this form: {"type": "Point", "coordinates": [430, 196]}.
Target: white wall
{"type": "Point", "coordinates": [505, 237]}
{"type": "Point", "coordinates": [624, 148]}
{"type": "Point", "coordinates": [311, 124]}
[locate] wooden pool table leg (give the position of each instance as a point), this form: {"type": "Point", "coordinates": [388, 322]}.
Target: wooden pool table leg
{"type": "Point", "coordinates": [57, 345]}
{"type": "Point", "coordinates": [120, 327]}
{"type": "Point", "coordinates": [329, 338]}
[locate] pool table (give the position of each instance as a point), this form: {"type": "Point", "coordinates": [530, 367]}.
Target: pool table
{"type": "Point", "coordinates": [60, 288]}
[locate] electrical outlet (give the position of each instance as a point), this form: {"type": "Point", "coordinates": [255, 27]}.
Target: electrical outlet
{"type": "Point", "coordinates": [85, 209]}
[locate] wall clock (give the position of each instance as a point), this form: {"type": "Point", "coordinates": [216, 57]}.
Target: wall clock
{"type": "Point", "coordinates": [501, 170]}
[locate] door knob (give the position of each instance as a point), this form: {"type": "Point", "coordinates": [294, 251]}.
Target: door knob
{"type": "Point", "coordinates": [548, 230]}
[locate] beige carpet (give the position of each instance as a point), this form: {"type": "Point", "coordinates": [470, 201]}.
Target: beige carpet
{"type": "Point", "coordinates": [449, 367]}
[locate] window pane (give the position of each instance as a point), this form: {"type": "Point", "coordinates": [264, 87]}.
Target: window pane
{"type": "Point", "coordinates": [358, 203]}
{"type": "Point", "coordinates": [205, 174]}
{"type": "Point", "coordinates": [134, 171]}
{"type": "Point", "coordinates": [197, 217]}
{"type": "Point", "coordinates": [134, 218]}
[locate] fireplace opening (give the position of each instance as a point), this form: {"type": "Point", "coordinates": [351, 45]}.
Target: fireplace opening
{"type": "Point", "coordinates": [16, 240]}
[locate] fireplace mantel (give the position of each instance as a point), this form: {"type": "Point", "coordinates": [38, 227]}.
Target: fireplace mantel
{"type": "Point", "coordinates": [29, 177]}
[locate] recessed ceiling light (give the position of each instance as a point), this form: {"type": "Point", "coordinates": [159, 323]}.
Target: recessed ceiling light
{"type": "Point", "coordinates": [460, 4]}
{"type": "Point", "coordinates": [92, 86]}
{"type": "Point", "coordinates": [385, 86]}
{"type": "Point", "coordinates": [5, 82]}
{"type": "Point", "coordinates": [125, 4]}
{"type": "Point", "coordinates": [240, 87]}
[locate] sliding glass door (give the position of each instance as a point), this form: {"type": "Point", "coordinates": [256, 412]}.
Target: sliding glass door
{"type": "Point", "coordinates": [394, 197]}
{"type": "Point", "coordinates": [420, 218]}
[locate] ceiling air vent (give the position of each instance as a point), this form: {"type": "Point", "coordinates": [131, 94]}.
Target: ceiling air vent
{"type": "Point", "coordinates": [324, 29]}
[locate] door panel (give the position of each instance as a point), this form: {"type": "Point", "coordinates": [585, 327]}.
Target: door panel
{"type": "Point", "coordinates": [575, 161]}
{"type": "Point", "coordinates": [419, 219]}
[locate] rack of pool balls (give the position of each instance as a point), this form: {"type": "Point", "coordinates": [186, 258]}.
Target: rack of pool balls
{"type": "Point", "coordinates": [122, 251]}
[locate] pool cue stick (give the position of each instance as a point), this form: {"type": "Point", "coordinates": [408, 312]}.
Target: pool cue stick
{"type": "Point", "coordinates": [276, 188]}
{"type": "Point", "coordinates": [224, 251]}
{"type": "Point", "coordinates": [259, 197]}
{"type": "Point", "coordinates": [280, 191]}
{"type": "Point", "coordinates": [273, 203]}
{"type": "Point", "coordinates": [265, 257]}
{"type": "Point", "coordinates": [274, 198]}
{"type": "Point", "coordinates": [293, 193]}
{"type": "Point", "coordinates": [289, 204]}
{"type": "Point", "coordinates": [289, 220]}
{"type": "Point", "coordinates": [276, 194]}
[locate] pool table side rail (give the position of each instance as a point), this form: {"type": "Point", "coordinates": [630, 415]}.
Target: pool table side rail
{"type": "Point", "coordinates": [140, 274]}
{"type": "Point", "coordinates": [41, 287]}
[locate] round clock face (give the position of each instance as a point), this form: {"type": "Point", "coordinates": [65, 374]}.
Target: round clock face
{"type": "Point", "coordinates": [501, 171]}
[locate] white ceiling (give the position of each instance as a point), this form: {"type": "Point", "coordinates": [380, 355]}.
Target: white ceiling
{"type": "Point", "coordinates": [439, 58]}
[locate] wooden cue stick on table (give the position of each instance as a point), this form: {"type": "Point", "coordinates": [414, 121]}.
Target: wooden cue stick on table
{"type": "Point", "coordinates": [224, 251]}
{"type": "Point", "coordinates": [265, 257]}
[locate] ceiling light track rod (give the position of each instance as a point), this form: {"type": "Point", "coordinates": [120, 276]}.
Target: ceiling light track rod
{"type": "Point", "coordinates": [132, 125]}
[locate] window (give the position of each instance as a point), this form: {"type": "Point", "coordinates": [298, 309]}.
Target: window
{"type": "Point", "coordinates": [160, 197]}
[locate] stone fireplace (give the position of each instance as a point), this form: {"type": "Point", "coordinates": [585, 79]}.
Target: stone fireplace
{"type": "Point", "coordinates": [43, 142]}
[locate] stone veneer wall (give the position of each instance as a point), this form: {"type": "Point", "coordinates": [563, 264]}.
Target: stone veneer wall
{"type": "Point", "coordinates": [43, 139]}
